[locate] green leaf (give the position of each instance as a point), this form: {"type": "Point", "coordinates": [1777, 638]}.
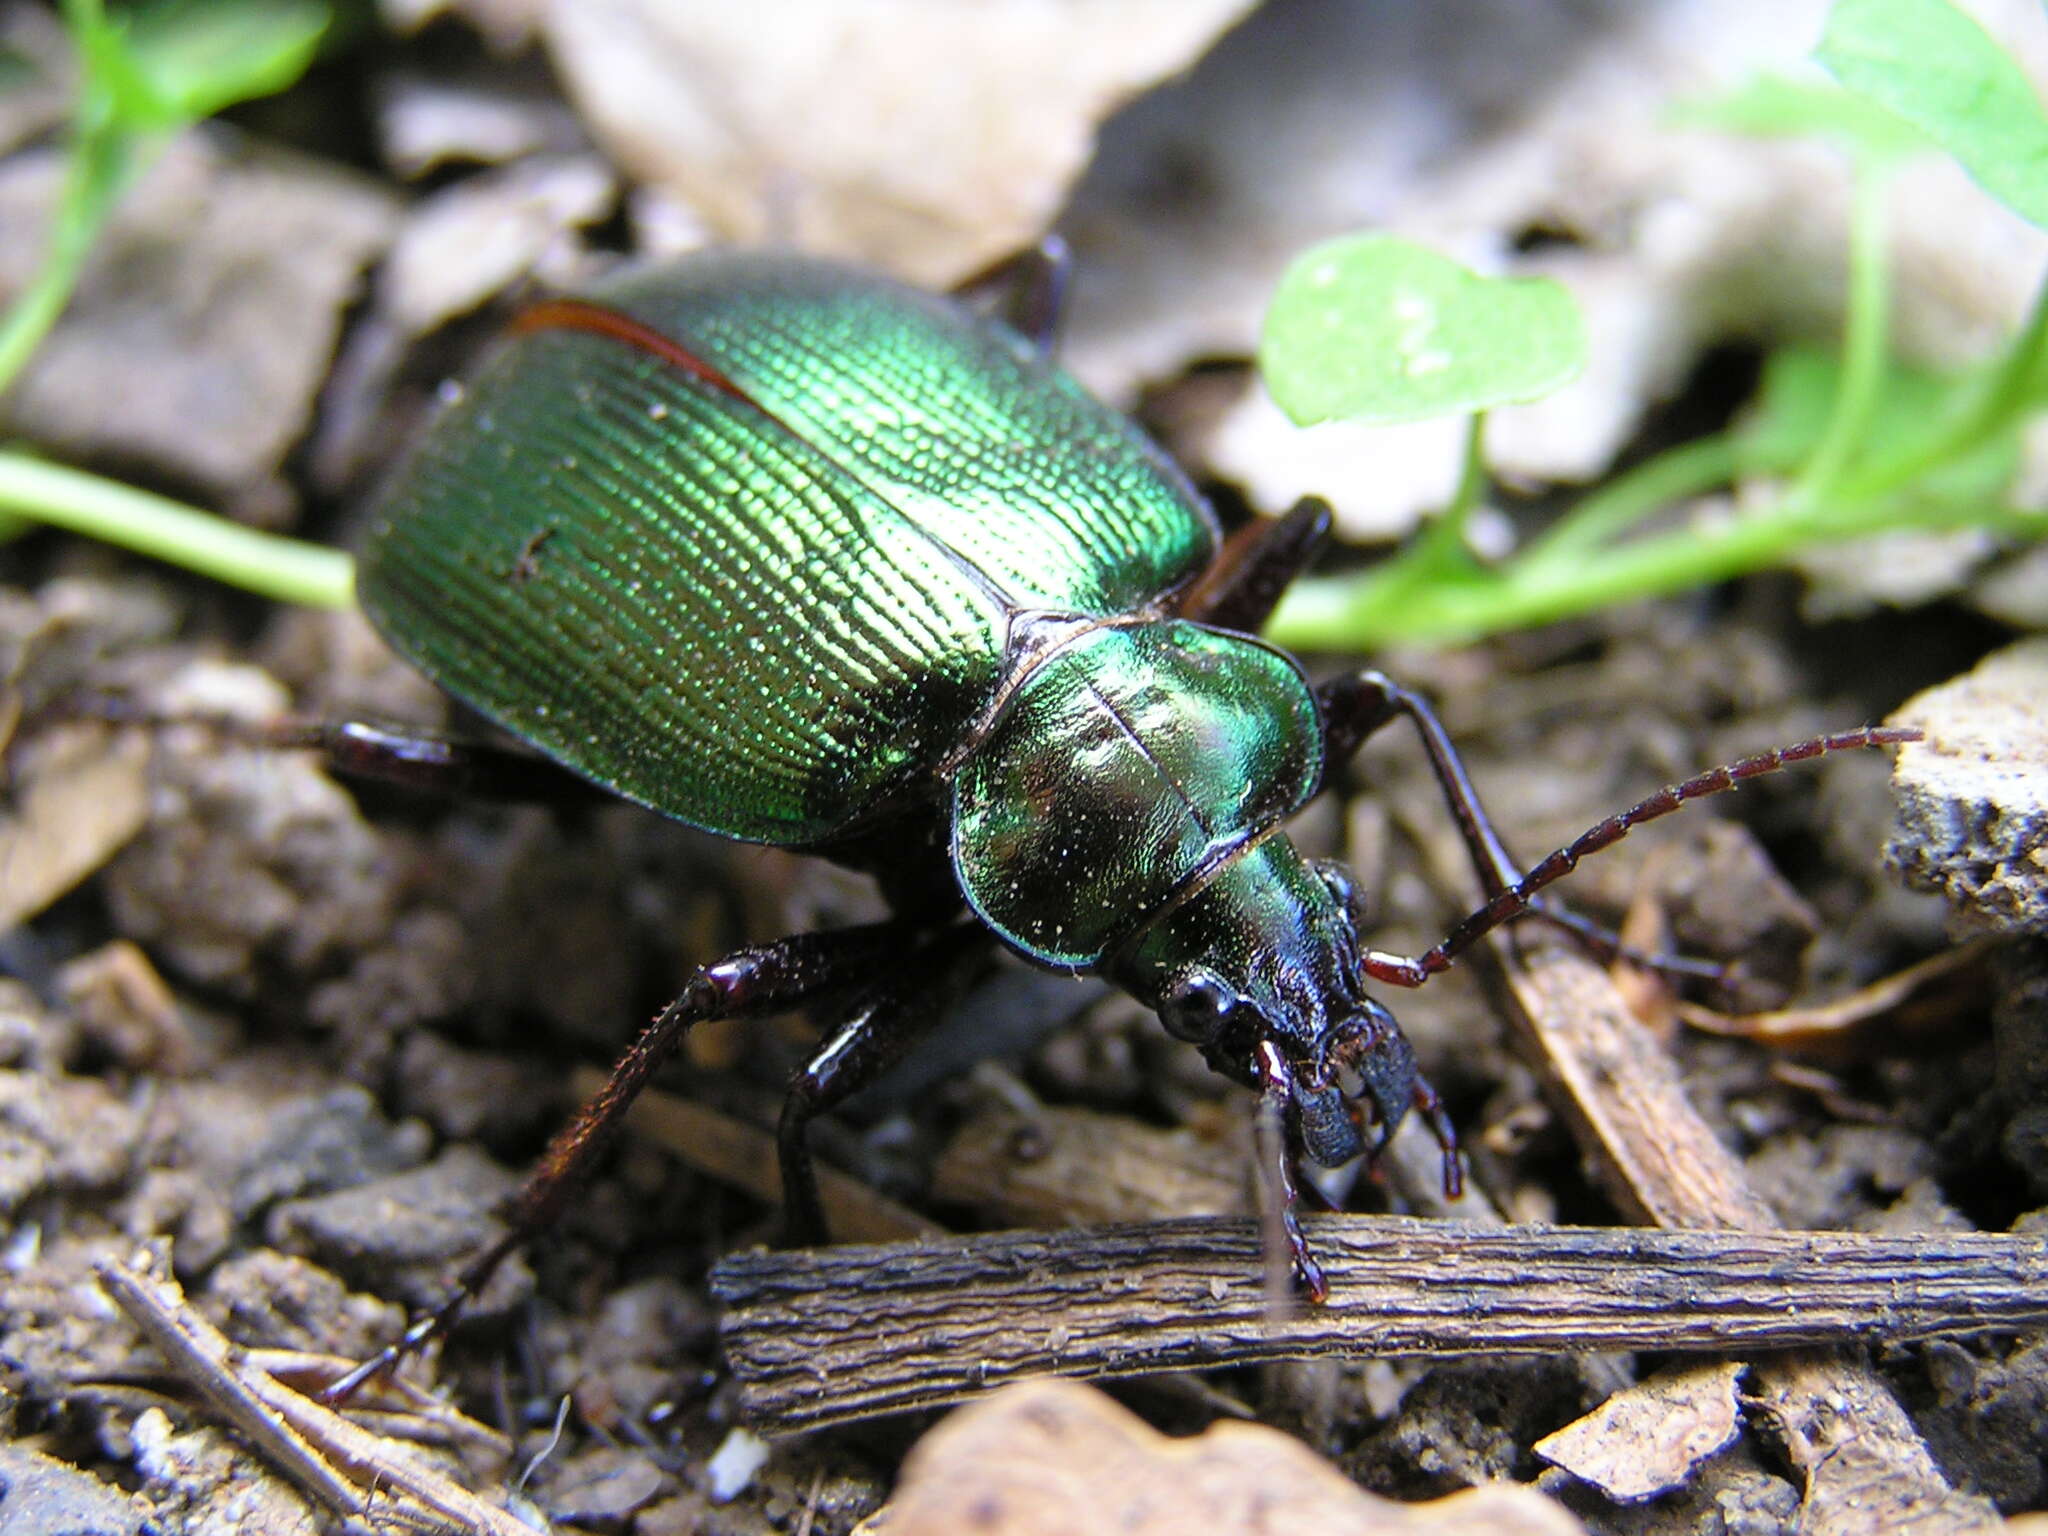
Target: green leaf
{"type": "Point", "coordinates": [1795, 404]}
{"type": "Point", "coordinates": [1375, 328]}
{"type": "Point", "coordinates": [200, 56]}
{"type": "Point", "coordinates": [1941, 72]}
{"type": "Point", "coordinates": [1776, 106]}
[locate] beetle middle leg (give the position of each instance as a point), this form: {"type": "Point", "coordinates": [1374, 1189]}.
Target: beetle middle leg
{"type": "Point", "coordinates": [871, 1037]}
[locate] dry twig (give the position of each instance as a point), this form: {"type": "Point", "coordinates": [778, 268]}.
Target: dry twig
{"type": "Point", "coordinates": [965, 1314]}
{"type": "Point", "coordinates": [359, 1475]}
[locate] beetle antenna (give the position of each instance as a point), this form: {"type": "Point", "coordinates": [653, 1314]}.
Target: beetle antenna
{"type": "Point", "coordinates": [1512, 901]}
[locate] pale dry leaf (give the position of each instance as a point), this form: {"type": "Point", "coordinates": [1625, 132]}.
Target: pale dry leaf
{"type": "Point", "coordinates": [1646, 1439]}
{"type": "Point", "coordinates": [1475, 126]}
{"type": "Point", "coordinates": [923, 136]}
{"type": "Point", "coordinates": [79, 794]}
{"type": "Point", "coordinates": [470, 241]}
{"type": "Point", "coordinates": [1046, 1457]}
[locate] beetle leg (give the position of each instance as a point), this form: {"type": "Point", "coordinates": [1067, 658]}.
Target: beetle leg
{"type": "Point", "coordinates": [1357, 705]}
{"type": "Point", "coordinates": [1277, 1127]}
{"type": "Point", "coordinates": [884, 1022]}
{"type": "Point", "coordinates": [425, 760]}
{"type": "Point", "coordinates": [749, 983]}
{"type": "Point", "coordinates": [1518, 896]}
{"type": "Point", "coordinates": [1243, 586]}
{"type": "Point", "coordinates": [410, 757]}
{"type": "Point", "coordinates": [1026, 291]}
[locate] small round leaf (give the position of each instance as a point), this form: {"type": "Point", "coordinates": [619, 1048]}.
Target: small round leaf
{"type": "Point", "coordinates": [1374, 328]}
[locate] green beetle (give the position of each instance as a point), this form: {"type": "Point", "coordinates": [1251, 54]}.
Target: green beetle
{"type": "Point", "coordinates": [797, 554]}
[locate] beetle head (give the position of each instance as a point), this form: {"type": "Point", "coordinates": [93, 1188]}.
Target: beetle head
{"type": "Point", "coordinates": [1261, 970]}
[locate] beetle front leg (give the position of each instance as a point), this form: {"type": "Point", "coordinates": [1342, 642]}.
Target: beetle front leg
{"type": "Point", "coordinates": [750, 983]}
{"type": "Point", "coordinates": [1357, 705]}
{"type": "Point", "coordinates": [872, 1037]}
{"type": "Point", "coordinates": [1277, 1132]}
{"type": "Point", "coordinates": [1245, 583]}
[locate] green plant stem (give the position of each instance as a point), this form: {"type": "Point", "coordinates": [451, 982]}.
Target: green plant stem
{"type": "Point", "coordinates": [1439, 553]}
{"type": "Point", "coordinates": [2002, 398]}
{"type": "Point", "coordinates": [288, 570]}
{"type": "Point", "coordinates": [1865, 340]}
{"type": "Point", "coordinates": [1443, 546]}
{"type": "Point", "coordinates": [99, 162]}
{"type": "Point", "coordinates": [1690, 470]}
{"type": "Point", "coordinates": [1333, 614]}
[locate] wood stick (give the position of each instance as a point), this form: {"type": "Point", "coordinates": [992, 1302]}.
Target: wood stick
{"type": "Point", "coordinates": [820, 1336]}
{"type": "Point", "coordinates": [1660, 1161]}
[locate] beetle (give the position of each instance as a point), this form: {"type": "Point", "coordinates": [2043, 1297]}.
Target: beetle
{"type": "Point", "coordinates": [797, 554]}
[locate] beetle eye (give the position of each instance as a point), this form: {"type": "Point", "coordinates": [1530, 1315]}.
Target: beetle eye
{"type": "Point", "coordinates": [1196, 1008]}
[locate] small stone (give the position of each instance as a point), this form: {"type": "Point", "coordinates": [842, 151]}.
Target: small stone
{"type": "Point", "coordinates": [1973, 797]}
{"type": "Point", "coordinates": [408, 1229]}
{"type": "Point", "coordinates": [733, 1465]}
{"type": "Point", "coordinates": [41, 1497]}
{"type": "Point", "coordinates": [606, 1483]}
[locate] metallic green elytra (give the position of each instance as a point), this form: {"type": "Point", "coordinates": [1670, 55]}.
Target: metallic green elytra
{"type": "Point", "coordinates": [766, 580]}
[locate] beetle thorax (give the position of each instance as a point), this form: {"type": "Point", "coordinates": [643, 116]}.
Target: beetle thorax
{"type": "Point", "coordinates": [1129, 768]}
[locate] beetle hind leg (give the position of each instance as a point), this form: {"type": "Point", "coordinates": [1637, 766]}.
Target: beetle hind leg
{"type": "Point", "coordinates": [749, 983]}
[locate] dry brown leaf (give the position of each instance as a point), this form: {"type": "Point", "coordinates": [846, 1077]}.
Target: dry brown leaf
{"type": "Point", "coordinates": [925, 136]}
{"type": "Point", "coordinates": [1931, 995]}
{"type": "Point", "coordinates": [1046, 1457]}
{"type": "Point", "coordinates": [1646, 1439]}
{"type": "Point", "coordinates": [80, 792]}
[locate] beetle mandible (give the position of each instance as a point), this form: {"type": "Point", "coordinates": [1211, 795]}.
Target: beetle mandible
{"type": "Point", "coordinates": [799, 555]}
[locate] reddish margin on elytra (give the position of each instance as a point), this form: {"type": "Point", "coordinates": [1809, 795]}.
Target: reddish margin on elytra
{"type": "Point", "coordinates": [579, 315]}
